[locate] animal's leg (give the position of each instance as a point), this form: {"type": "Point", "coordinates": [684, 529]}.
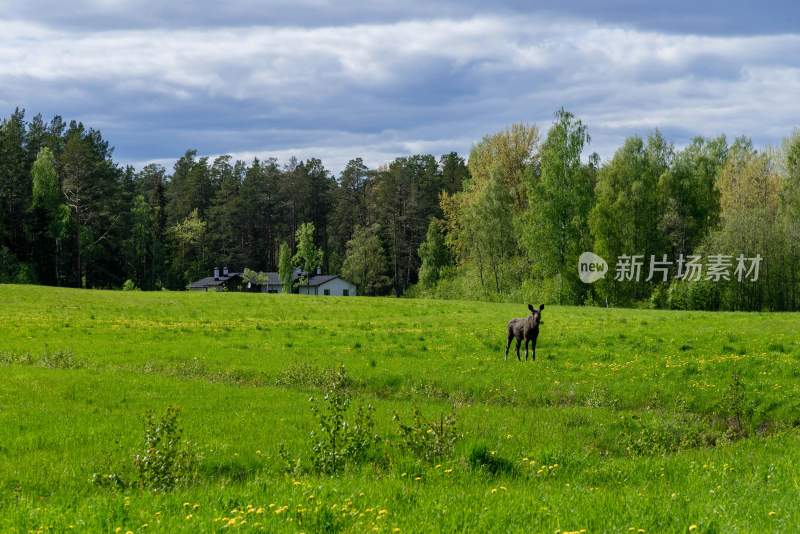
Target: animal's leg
{"type": "Point", "coordinates": [518, 343]}
{"type": "Point", "coordinates": [526, 349]}
{"type": "Point", "coordinates": [508, 343]}
{"type": "Point", "coordinates": [534, 348]}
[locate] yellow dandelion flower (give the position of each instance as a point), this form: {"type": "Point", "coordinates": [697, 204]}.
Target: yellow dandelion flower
{"type": "Point", "coordinates": [692, 528]}
{"type": "Point", "coordinates": [189, 517]}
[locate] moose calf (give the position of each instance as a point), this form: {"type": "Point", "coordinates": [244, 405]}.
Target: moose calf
{"type": "Point", "coordinates": [526, 328]}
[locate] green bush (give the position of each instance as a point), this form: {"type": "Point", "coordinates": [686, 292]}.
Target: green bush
{"type": "Point", "coordinates": [429, 440]}
{"type": "Point", "coordinates": [659, 298]}
{"type": "Point", "coordinates": [340, 441]}
{"type": "Point", "coordinates": [482, 459]}
{"type": "Point", "coordinates": [736, 408]}
{"type": "Point", "coordinates": [704, 295]}
{"type": "Point", "coordinates": [678, 295]}
{"type": "Point", "coordinates": [165, 460]}
{"type": "Point", "coordinates": [129, 285]}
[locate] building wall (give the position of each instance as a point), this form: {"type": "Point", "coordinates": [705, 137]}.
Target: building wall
{"type": "Point", "coordinates": [271, 288]}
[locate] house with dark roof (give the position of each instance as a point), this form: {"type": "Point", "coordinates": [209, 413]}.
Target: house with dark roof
{"type": "Point", "coordinates": [274, 284]}
{"type": "Point", "coordinates": [225, 281]}
{"type": "Point", "coordinates": [318, 284]}
{"type": "Point", "coordinates": [328, 284]}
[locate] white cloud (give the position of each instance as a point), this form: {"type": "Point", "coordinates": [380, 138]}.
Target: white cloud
{"type": "Point", "coordinates": [436, 81]}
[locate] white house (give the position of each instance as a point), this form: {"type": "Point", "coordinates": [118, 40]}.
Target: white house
{"type": "Point", "coordinates": [328, 284]}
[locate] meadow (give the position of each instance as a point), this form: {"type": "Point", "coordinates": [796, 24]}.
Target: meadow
{"type": "Point", "coordinates": [628, 421]}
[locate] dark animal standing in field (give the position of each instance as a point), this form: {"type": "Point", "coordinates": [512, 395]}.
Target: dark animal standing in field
{"type": "Point", "coordinates": [526, 328]}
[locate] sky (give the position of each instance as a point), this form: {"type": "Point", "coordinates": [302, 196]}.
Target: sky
{"type": "Point", "coordinates": [342, 79]}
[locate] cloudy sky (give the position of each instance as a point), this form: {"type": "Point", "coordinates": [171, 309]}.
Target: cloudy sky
{"type": "Point", "coordinates": [341, 79]}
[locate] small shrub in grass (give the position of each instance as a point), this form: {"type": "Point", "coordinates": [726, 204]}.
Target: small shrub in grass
{"type": "Point", "coordinates": [289, 464]}
{"type": "Point", "coordinates": [429, 440]}
{"type": "Point", "coordinates": [327, 521]}
{"type": "Point", "coordinates": [341, 440]}
{"type": "Point", "coordinates": [165, 460]}
{"type": "Point", "coordinates": [129, 285]}
{"type": "Point", "coordinates": [736, 408]}
{"type": "Point", "coordinates": [60, 359]}
{"type": "Point", "coordinates": [306, 375]}
{"type": "Point", "coordinates": [482, 459]}
{"type": "Point", "coordinates": [109, 481]}
{"type": "Point", "coordinates": [777, 347]}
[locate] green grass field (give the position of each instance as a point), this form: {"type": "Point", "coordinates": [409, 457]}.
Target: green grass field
{"type": "Point", "coordinates": [628, 421]}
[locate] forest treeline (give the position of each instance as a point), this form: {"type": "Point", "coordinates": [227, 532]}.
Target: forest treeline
{"type": "Point", "coordinates": [509, 223]}
{"type": "Point", "coordinates": [71, 216]}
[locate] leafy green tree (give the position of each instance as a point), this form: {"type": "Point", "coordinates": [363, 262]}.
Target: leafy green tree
{"type": "Point", "coordinates": [434, 254]}
{"type": "Point", "coordinates": [285, 267]}
{"type": "Point", "coordinates": [254, 279]}
{"type": "Point", "coordinates": [189, 239]}
{"type": "Point", "coordinates": [365, 262]}
{"type": "Point", "coordinates": [625, 217]}
{"type": "Point", "coordinates": [689, 194]}
{"type": "Point", "coordinates": [750, 207]}
{"type": "Point", "coordinates": [308, 257]}
{"type": "Point", "coordinates": [557, 228]}
{"type": "Point", "coordinates": [790, 222]}
{"type": "Point", "coordinates": [48, 217]}
{"type": "Point", "coordinates": [483, 220]}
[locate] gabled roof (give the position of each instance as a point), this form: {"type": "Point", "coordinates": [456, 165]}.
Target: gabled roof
{"type": "Point", "coordinates": [274, 279]}
{"type": "Point", "coordinates": [210, 281]}
{"type": "Point", "coordinates": [320, 279]}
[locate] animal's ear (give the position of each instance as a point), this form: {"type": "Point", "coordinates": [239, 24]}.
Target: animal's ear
{"type": "Point", "coordinates": [541, 307]}
{"type": "Point", "coordinates": [530, 307]}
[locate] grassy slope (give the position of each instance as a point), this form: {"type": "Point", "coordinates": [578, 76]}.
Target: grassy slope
{"type": "Point", "coordinates": [608, 393]}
